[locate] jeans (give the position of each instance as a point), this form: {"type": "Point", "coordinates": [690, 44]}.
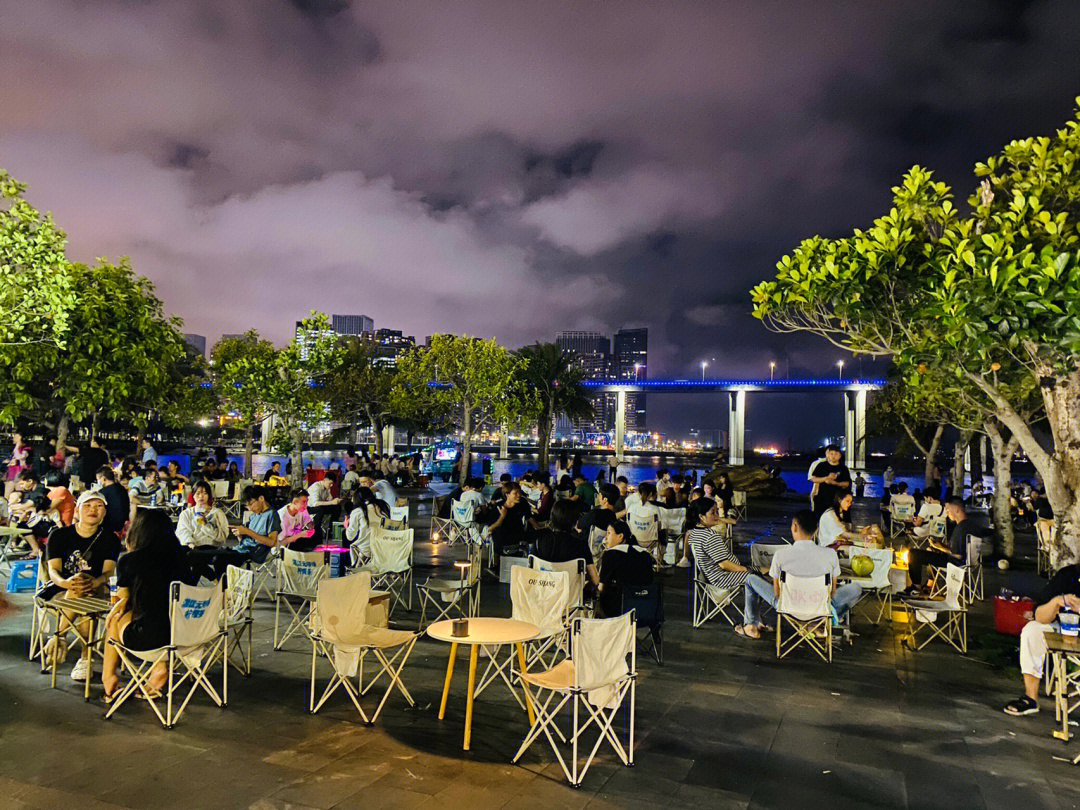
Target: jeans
{"type": "Point", "coordinates": [760, 591]}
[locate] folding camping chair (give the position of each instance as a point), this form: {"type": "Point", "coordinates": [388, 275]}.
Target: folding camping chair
{"type": "Point", "coordinates": [575, 571]}
{"type": "Point", "coordinates": [541, 598]}
{"type": "Point", "coordinates": [672, 521]}
{"type": "Point", "coordinates": [446, 594]}
{"type": "Point", "coordinates": [399, 517]}
{"type": "Point", "coordinates": [596, 544]}
{"type": "Point", "coordinates": [924, 613]}
{"type": "Point", "coordinates": [40, 624]}
{"type": "Point", "coordinates": [877, 585]}
{"type": "Point", "coordinates": [647, 603]}
{"type": "Point", "coordinates": [1045, 534]}
{"type": "Point", "coordinates": [806, 605]}
{"type": "Point", "coordinates": [738, 504]}
{"type": "Point", "coordinates": [266, 573]}
{"type": "Point", "coordinates": [391, 564]}
{"type": "Point", "coordinates": [900, 515]}
{"type": "Point", "coordinates": [298, 579]}
{"type": "Point", "coordinates": [341, 634]}
{"type": "Point", "coordinates": [709, 601]}
{"type": "Point", "coordinates": [10, 539]}
{"type": "Point", "coordinates": [234, 506]}
{"type": "Point", "coordinates": [197, 616]}
{"type": "Point", "coordinates": [973, 577]}
{"type": "Point", "coordinates": [646, 531]}
{"type": "Point", "coordinates": [239, 620]}
{"type": "Point", "coordinates": [595, 679]}
{"type": "Point", "coordinates": [464, 527]}
{"type": "Point", "coordinates": [937, 531]}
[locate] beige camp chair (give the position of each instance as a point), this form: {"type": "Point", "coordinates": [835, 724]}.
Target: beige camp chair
{"type": "Point", "coordinates": [923, 614]}
{"type": "Point", "coordinates": [298, 580]}
{"type": "Point", "coordinates": [805, 605]}
{"type": "Point", "coordinates": [391, 565]}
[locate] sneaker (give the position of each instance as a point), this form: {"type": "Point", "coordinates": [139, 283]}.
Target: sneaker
{"type": "Point", "coordinates": [81, 670]}
{"type": "Point", "coordinates": [1022, 706]}
{"type": "Point", "coordinates": [683, 563]}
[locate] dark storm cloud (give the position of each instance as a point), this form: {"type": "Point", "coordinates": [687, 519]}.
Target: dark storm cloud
{"type": "Point", "coordinates": [507, 168]}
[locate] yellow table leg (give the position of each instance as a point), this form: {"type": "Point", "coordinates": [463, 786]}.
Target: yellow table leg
{"type": "Point", "coordinates": [474, 650]}
{"type": "Point", "coordinates": [449, 675]}
{"type": "Point", "coordinates": [528, 701]}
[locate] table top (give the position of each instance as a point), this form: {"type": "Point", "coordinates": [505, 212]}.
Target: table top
{"type": "Point", "coordinates": [486, 630]}
{"type": "Point", "coordinates": [82, 605]}
{"type": "Point", "coordinates": [1055, 642]}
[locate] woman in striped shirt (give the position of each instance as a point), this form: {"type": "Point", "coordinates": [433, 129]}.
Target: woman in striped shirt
{"type": "Point", "coordinates": [711, 550]}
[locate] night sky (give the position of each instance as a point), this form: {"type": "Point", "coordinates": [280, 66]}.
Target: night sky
{"type": "Point", "coordinates": [511, 169]}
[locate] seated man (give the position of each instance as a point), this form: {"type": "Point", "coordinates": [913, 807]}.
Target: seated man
{"type": "Point", "coordinates": [472, 494]}
{"type": "Point", "coordinates": [257, 536]}
{"type": "Point", "coordinates": [508, 530]}
{"type": "Point", "coordinates": [902, 496]}
{"type": "Point", "coordinates": [584, 493]}
{"type": "Point", "coordinates": [322, 505]}
{"type": "Point", "coordinates": [931, 509]}
{"type": "Point", "coordinates": [1062, 593]}
{"type": "Point", "coordinates": [117, 499]}
{"type": "Point", "coordinates": [939, 554]}
{"type": "Point", "coordinates": [297, 526]}
{"type": "Point", "coordinates": [804, 558]}
{"type": "Point", "coordinates": [596, 520]}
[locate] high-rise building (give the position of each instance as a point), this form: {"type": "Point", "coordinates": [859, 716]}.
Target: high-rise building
{"type": "Point", "coordinates": [632, 363]}
{"type": "Point", "coordinates": [389, 344]}
{"type": "Point", "coordinates": [592, 351]}
{"type": "Point", "coordinates": [351, 324]}
{"type": "Point", "coordinates": [583, 342]}
{"type": "Point", "coordinates": [197, 342]}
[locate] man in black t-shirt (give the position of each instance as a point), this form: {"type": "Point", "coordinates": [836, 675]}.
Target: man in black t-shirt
{"type": "Point", "coordinates": [508, 530]}
{"type": "Point", "coordinates": [81, 559]}
{"type": "Point", "coordinates": [829, 476]}
{"type": "Point", "coordinates": [601, 516]}
{"type": "Point", "coordinates": [941, 554]}
{"type": "Point", "coordinates": [117, 500]}
{"type": "Point", "coordinates": [1062, 593]}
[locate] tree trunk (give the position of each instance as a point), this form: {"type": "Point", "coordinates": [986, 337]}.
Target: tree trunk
{"type": "Point", "coordinates": [1003, 452]}
{"type": "Point", "coordinates": [958, 462]}
{"type": "Point", "coordinates": [543, 435]}
{"type": "Point", "coordinates": [94, 424]}
{"type": "Point", "coordinates": [377, 429]}
{"type": "Point", "coordinates": [140, 434]}
{"type": "Point", "coordinates": [466, 444]}
{"type": "Point", "coordinates": [929, 453]}
{"type": "Point", "coordinates": [63, 427]}
{"type": "Point", "coordinates": [297, 458]}
{"type": "Point", "coordinates": [249, 448]}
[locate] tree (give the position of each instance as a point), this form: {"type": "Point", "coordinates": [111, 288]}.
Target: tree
{"type": "Point", "coordinates": [37, 295]}
{"type": "Point", "coordinates": [466, 374]}
{"type": "Point", "coordinates": [360, 386]}
{"type": "Point", "coordinates": [245, 368]}
{"type": "Point", "coordinates": [555, 378]}
{"type": "Point", "coordinates": [894, 408]}
{"type": "Point", "coordinates": [991, 297]}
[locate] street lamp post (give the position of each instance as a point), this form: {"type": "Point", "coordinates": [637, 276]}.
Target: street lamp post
{"type": "Point", "coordinates": [704, 364]}
{"type": "Point", "coordinates": [840, 365]}
{"type": "Point", "coordinates": [772, 370]}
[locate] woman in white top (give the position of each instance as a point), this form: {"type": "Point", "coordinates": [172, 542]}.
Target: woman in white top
{"type": "Point", "coordinates": [366, 511]}
{"type": "Point", "coordinates": [834, 531]}
{"type": "Point", "coordinates": [202, 524]}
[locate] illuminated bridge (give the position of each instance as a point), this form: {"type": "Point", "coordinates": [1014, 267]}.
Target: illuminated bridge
{"type": "Point", "coordinates": [854, 394]}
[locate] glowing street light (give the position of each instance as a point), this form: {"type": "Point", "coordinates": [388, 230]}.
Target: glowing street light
{"type": "Point", "coordinates": [772, 369]}
{"type": "Point", "coordinates": [840, 365]}
{"type": "Point", "coordinates": [704, 364]}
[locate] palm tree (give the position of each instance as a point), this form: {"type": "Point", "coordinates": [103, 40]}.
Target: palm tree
{"type": "Point", "coordinates": [556, 379]}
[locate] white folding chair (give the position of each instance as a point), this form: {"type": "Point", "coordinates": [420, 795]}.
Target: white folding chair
{"type": "Point", "coordinates": [239, 621]}
{"type": "Point", "coordinates": [974, 577]}
{"type": "Point", "coordinates": [672, 521]}
{"type": "Point", "coordinates": [646, 531]}
{"type": "Point", "coordinates": [197, 639]}
{"type": "Point", "coordinates": [463, 525]}
{"type": "Point", "coordinates": [574, 570]}
{"type": "Point", "coordinates": [805, 604]}
{"type": "Point", "coordinates": [540, 598]}
{"type": "Point", "coordinates": [877, 584]}
{"type": "Point", "coordinates": [448, 596]}
{"type": "Point", "coordinates": [40, 618]}
{"type": "Point", "coordinates": [298, 580]}
{"type": "Point", "coordinates": [234, 506]}
{"type": "Point", "coordinates": [219, 487]}
{"type": "Point", "coordinates": [596, 681]}
{"type": "Point", "coordinates": [399, 516]}
{"type": "Point", "coordinates": [924, 614]}
{"type": "Point", "coordinates": [900, 515]}
{"type": "Point", "coordinates": [708, 600]}
{"type": "Point", "coordinates": [596, 544]}
{"type": "Point", "coordinates": [266, 573]}
{"type": "Point", "coordinates": [391, 564]}
{"type": "Point", "coordinates": [340, 632]}
{"type": "Point", "coordinates": [1045, 535]}
{"type": "Point", "coordinates": [738, 504]}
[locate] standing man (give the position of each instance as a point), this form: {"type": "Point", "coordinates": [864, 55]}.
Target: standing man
{"type": "Point", "coordinates": [148, 452]}
{"type": "Point", "coordinates": [613, 468]}
{"type": "Point", "coordinates": [829, 476]}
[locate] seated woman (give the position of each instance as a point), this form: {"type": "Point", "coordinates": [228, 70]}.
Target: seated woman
{"type": "Point", "coordinates": [140, 618]}
{"type": "Point", "coordinates": [696, 511]}
{"type": "Point", "coordinates": [712, 551]}
{"type": "Point", "coordinates": [834, 530]}
{"type": "Point", "coordinates": [623, 565]}
{"type": "Point", "coordinates": [365, 512]}
{"type": "Point", "coordinates": [202, 525]}
{"type": "Point", "coordinates": [561, 543]}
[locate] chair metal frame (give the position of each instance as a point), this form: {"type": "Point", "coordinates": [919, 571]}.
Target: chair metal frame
{"type": "Point", "coordinates": [239, 617]}
{"type": "Point", "coordinates": [286, 592]}
{"type": "Point", "coordinates": [806, 627]}
{"type": "Point", "coordinates": [899, 514]}
{"type": "Point", "coordinates": [709, 601]}
{"type": "Point", "coordinates": [466, 602]}
{"type": "Point", "coordinates": [1045, 534]}
{"type": "Point", "coordinates": [953, 605]}
{"type": "Point", "coordinates": [739, 504]}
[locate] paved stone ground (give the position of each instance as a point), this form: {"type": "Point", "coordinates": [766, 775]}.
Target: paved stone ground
{"type": "Point", "coordinates": [721, 725]}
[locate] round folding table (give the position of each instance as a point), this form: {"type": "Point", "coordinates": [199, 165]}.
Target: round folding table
{"type": "Point", "coordinates": [483, 632]}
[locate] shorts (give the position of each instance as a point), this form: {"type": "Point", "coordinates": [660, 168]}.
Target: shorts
{"type": "Point", "coordinates": [145, 635]}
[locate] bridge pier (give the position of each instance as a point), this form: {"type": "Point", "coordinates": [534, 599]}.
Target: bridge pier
{"type": "Point", "coordinates": [855, 428]}
{"type": "Point", "coordinates": [736, 427]}
{"type": "Point", "coordinates": [388, 440]}
{"type": "Point", "coordinates": [504, 442]}
{"type": "Point", "coordinates": [620, 423]}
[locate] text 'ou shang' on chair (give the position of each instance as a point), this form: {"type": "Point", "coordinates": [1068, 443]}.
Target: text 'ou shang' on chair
{"type": "Point", "coordinates": [197, 639]}
{"type": "Point", "coordinates": [707, 601]}
{"type": "Point", "coordinates": [456, 595]}
{"type": "Point", "coordinates": [540, 598]}
{"type": "Point", "coordinates": [596, 681]}
{"type": "Point", "coordinates": [298, 579]}
{"type": "Point", "coordinates": [924, 614]}
{"type": "Point", "coordinates": [340, 633]}
{"type": "Point", "coordinates": [391, 564]}
{"type": "Point", "coordinates": [877, 585]}
{"type": "Point", "coordinates": [805, 605]}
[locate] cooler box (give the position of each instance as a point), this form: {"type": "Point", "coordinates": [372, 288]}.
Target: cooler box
{"type": "Point", "coordinates": [1010, 616]}
{"type": "Point", "coordinates": [23, 576]}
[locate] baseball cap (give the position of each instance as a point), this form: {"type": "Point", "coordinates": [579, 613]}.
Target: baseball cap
{"type": "Point", "coordinates": [90, 495]}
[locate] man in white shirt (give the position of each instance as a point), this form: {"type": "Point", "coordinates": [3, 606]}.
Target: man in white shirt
{"type": "Point", "coordinates": [322, 505]}
{"type": "Point", "coordinates": [803, 558]}
{"type": "Point", "coordinates": [932, 508]}
{"type": "Point", "coordinates": [350, 481]}
{"type": "Point", "coordinates": [471, 493]}
{"type": "Point", "coordinates": [382, 489]}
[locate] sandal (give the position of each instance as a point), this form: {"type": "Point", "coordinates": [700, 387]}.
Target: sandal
{"type": "Point", "coordinates": [740, 630]}
{"type": "Point", "coordinates": [1022, 706]}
